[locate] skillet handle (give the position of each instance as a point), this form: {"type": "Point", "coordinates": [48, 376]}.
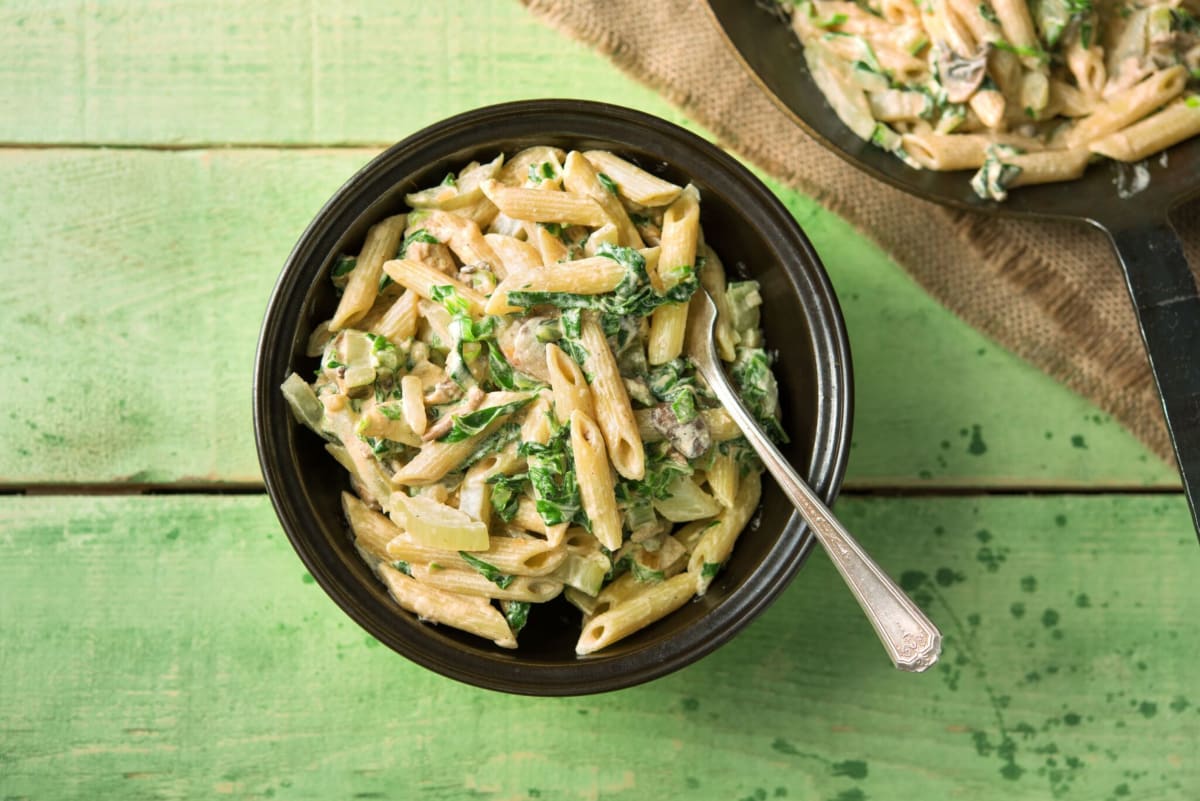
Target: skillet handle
{"type": "Point", "coordinates": [1167, 304]}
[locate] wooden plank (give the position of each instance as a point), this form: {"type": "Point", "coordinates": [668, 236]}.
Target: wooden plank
{"type": "Point", "coordinates": [130, 348]}
{"type": "Point", "coordinates": [173, 647]}
{"type": "Point", "coordinates": [279, 72]}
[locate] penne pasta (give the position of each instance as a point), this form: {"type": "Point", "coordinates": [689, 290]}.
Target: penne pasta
{"type": "Point", "coordinates": [1175, 123]}
{"type": "Point", "coordinates": [595, 480]}
{"type": "Point", "coordinates": [716, 542]}
{"type": "Point", "coordinates": [511, 555]}
{"type": "Point", "coordinates": [590, 276]}
{"type": "Point", "coordinates": [464, 238]}
{"type": "Point", "coordinates": [635, 613]}
{"type": "Point", "coordinates": [399, 323]}
{"type": "Point", "coordinates": [515, 255]}
{"type": "Point", "coordinates": [421, 279]}
{"type": "Point", "coordinates": [580, 178]}
{"type": "Point", "coordinates": [676, 259]}
{"type": "Point", "coordinates": [471, 614]}
{"type": "Point", "coordinates": [481, 401]}
{"type": "Point", "coordinates": [571, 393]}
{"type": "Point", "coordinates": [382, 240]}
{"type": "Point", "coordinates": [613, 410]}
{"type": "Point", "coordinates": [1013, 89]}
{"type": "Point", "coordinates": [632, 181]}
{"type": "Point", "coordinates": [542, 206]}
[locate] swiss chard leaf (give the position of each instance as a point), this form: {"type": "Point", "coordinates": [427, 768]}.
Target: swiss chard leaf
{"type": "Point", "coordinates": [635, 296]}
{"type": "Point", "coordinates": [517, 615]}
{"type": "Point", "coordinates": [661, 470]}
{"type": "Point", "coordinates": [758, 390]}
{"type": "Point", "coordinates": [504, 375]}
{"type": "Point", "coordinates": [644, 574]}
{"type": "Point", "coordinates": [487, 570]}
{"type": "Point", "coordinates": [541, 172]}
{"type": "Point", "coordinates": [450, 297]}
{"type": "Point", "coordinates": [419, 235]}
{"type": "Point", "coordinates": [552, 474]}
{"type": "Point", "coordinates": [506, 494]}
{"type": "Point", "coordinates": [571, 321]}
{"type": "Point", "coordinates": [495, 442]}
{"type": "Point", "coordinates": [674, 383]}
{"type": "Point", "coordinates": [468, 425]}
{"type": "Point", "coordinates": [608, 183]}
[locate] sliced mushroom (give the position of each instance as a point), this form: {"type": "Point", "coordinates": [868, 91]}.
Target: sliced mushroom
{"type": "Point", "coordinates": [523, 349]}
{"type": "Point", "coordinates": [443, 392]}
{"type": "Point", "coordinates": [690, 439]}
{"type": "Point", "coordinates": [961, 76]}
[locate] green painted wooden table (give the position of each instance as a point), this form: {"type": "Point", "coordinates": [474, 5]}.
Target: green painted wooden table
{"type": "Point", "coordinates": [159, 639]}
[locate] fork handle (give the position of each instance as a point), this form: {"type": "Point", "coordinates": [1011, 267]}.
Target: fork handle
{"type": "Point", "coordinates": [912, 641]}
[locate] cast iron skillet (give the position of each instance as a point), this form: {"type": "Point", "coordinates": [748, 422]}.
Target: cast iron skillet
{"type": "Point", "coordinates": [1158, 277]}
{"type": "Point", "coordinates": [742, 221]}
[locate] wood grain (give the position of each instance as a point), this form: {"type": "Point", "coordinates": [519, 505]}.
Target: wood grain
{"type": "Point", "coordinates": [284, 72]}
{"type": "Point", "coordinates": [174, 647]}
{"type": "Point", "coordinates": [137, 281]}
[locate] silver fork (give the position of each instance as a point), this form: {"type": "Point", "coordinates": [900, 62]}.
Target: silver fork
{"type": "Point", "coordinates": [911, 639]}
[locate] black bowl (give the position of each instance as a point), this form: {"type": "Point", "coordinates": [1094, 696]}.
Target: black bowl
{"type": "Point", "coordinates": [754, 235]}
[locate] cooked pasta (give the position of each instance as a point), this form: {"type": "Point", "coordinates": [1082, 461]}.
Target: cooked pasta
{"type": "Point", "coordinates": [1022, 91]}
{"type": "Point", "coordinates": [503, 383]}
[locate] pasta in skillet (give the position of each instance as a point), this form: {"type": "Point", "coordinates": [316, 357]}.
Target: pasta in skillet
{"type": "Point", "coordinates": [1022, 91]}
{"type": "Point", "coordinates": [503, 380]}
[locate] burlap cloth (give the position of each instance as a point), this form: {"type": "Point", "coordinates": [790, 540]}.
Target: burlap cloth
{"type": "Point", "coordinates": [1050, 292]}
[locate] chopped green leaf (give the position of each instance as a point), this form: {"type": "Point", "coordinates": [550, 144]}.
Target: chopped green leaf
{"type": "Point", "coordinates": [607, 183]}
{"type": "Point", "coordinates": [996, 175]}
{"type": "Point", "coordinates": [758, 389]}
{"type": "Point", "coordinates": [541, 172]}
{"type": "Point", "coordinates": [449, 180]}
{"type": "Point", "coordinates": [710, 569]}
{"type": "Point", "coordinates": [643, 574]}
{"type": "Point", "coordinates": [403, 567]}
{"type": "Point", "coordinates": [571, 326]}
{"type": "Point", "coordinates": [343, 266]}
{"type": "Point", "coordinates": [684, 407]}
{"type": "Point", "coordinates": [384, 448]}
{"type": "Point", "coordinates": [487, 570]}
{"type": "Point", "coordinates": [468, 425]}
{"type": "Point", "coordinates": [379, 343]}
{"type": "Point", "coordinates": [634, 296]}
{"type": "Point", "coordinates": [389, 411]}
{"type": "Point", "coordinates": [517, 615]}
{"type": "Point", "coordinates": [449, 297]}
{"type": "Point", "coordinates": [552, 475]}
{"type": "Point", "coordinates": [495, 442]}
{"type": "Point", "coordinates": [506, 494]}
{"type": "Point", "coordinates": [661, 470]}
{"type": "Point", "coordinates": [1027, 52]}
{"type": "Point", "coordinates": [419, 235]}
{"type": "Point", "coordinates": [504, 375]}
